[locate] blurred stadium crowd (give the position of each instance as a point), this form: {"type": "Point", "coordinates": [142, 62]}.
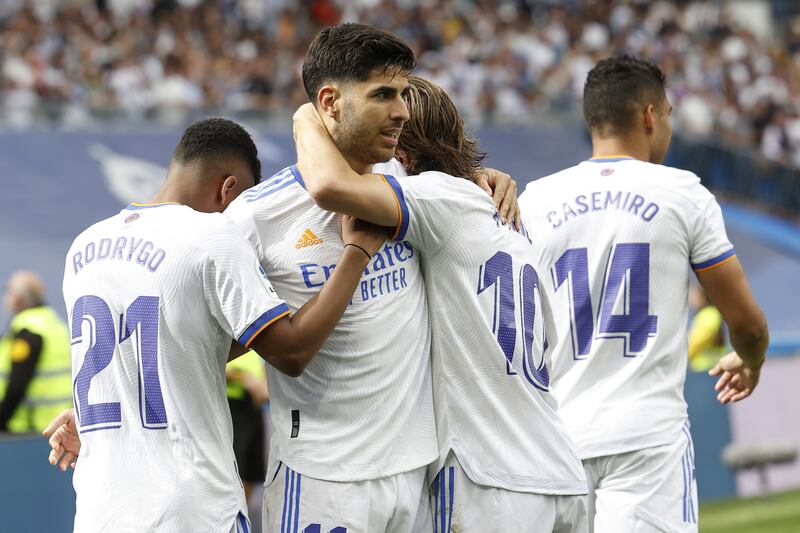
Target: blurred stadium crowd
{"type": "Point", "coordinates": [72, 62]}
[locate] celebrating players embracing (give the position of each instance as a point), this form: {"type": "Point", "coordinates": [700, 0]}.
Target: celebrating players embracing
{"type": "Point", "coordinates": [157, 297]}
{"type": "Point", "coordinates": [505, 461]}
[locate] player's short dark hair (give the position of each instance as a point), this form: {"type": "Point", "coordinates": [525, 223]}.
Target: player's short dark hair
{"type": "Point", "coordinates": [615, 88]}
{"type": "Point", "coordinates": [434, 138]}
{"type": "Point", "coordinates": [216, 138]}
{"type": "Point", "coordinates": [350, 52]}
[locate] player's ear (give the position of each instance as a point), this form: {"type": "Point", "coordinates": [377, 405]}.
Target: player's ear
{"type": "Point", "coordinates": [328, 101]}
{"type": "Point", "coordinates": [227, 192]}
{"type": "Point", "coordinates": [649, 118]}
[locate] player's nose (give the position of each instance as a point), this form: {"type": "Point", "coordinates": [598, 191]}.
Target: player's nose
{"type": "Point", "coordinates": [399, 110]}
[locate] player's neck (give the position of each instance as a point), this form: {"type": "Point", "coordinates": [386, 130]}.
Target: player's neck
{"type": "Point", "coordinates": [620, 147]}
{"type": "Point", "coordinates": [358, 165]}
{"type": "Point", "coordinates": [188, 196]}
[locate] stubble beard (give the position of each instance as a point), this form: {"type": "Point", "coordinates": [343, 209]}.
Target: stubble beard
{"type": "Point", "coordinates": [356, 142]}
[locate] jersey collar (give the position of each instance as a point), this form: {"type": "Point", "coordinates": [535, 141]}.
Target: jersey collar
{"type": "Point", "coordinates": [610, 158]}
{"type": "Point", "coordinates": [135, 206]}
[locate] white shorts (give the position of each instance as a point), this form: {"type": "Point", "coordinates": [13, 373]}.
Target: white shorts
{"type": "Point", "coordinates": [242, 524]}
{"type": "Point", "coordinates": [459, 505]}
{"type": "Point", "coordinates": [649, 490]}
{"type": "Point", "coordinates": [294, 503]}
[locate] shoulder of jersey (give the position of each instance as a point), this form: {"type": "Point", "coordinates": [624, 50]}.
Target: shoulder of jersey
{"type": "Point", "coordinates": [96, 227]}
{"type": "Point", "coordinates": [662, 170]}
{"type": "Point", "coordinates": [683, 183]}
{"type": "Point", "coordinates": [550, 179]}
{"type": "Point", "coordinates": [189, 224]}
{"type": "Point", "coordinates": [664, 175]}
{"type": "Point", "coordinates": [448, 182]}
{"type": "Point", "coordinates": [279, 185]}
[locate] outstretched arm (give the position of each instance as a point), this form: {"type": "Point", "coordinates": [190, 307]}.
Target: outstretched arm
{"type": "Point", "coordinates": [740, 370]}
{"type": "Point", "coordinates": [335, 186]}
{"type": "Point", "coordinates": [290, 343]}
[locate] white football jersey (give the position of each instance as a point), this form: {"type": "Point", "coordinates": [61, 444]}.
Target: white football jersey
{"type": "Point", "coordinates": [363, 408]}
{"type": "Point", "coordinates": [490, 336]}
{"type": "Point", "coordinates": [155, 295]}
{"type": "Point", "coordinates": [616, 238]}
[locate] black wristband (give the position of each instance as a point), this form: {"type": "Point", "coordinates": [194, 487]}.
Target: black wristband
{"type": "Point", "coordinates": [360, 248]}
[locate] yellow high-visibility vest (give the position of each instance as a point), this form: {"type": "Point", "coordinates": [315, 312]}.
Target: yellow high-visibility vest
{"type": "Point", "coordinates": [50, 390]}
{"type": "Point", "coordinates": [249, 362]}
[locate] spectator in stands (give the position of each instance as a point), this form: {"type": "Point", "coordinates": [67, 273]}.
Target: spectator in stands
{"type": "Point", "coordinates": [35, 372]}
{"type": "Point", "coordinates": [500, 61]}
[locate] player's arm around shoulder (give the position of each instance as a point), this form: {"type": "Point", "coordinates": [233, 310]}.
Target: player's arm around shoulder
{"type": "Point", "coordinates": [740, 370]}
{"type": "Point", "coordinates": [503, 190]}
{"type": "Point", "coordinates": [290, 343]}
{"type": "Point", "coordinates": [330, 180]}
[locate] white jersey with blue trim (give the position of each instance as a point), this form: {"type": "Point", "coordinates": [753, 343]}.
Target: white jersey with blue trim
{"type": "Point", "coordinates": [617, 237]}
{"type": "Point", "coordinates": [363, 408]}
{"type": "Point", "coordinates": [490, 335]}
{"type": "Point", "coordinates": [155, 295]}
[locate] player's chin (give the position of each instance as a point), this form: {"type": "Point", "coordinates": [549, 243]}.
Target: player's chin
{"type": "Point", "coordinates": [383, 153]}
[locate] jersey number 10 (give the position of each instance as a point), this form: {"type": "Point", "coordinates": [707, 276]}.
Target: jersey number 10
{"type": "Point", "coordinates": [498, 272]}
{"type": "Point", "coordinates": [141, 328]}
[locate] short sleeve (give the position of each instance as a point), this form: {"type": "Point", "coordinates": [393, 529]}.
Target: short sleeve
{"type": "Point", "coordinates": [237, 288]}
{"type": "Point", "coordinates": [429, 206]}
{"type": "Point", "coordinates": [709, 244]}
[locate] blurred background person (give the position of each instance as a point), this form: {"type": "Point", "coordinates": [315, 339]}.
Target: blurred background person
{"type": "Point", "coordinates": [247, 395]}
{"type": "Point", "coordinates": [35, 375]}
{"type": "Point", "coordinates": [707, 339]}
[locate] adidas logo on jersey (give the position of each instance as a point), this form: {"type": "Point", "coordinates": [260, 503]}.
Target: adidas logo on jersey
{"type": "Point", "coordinates": [307, 239]}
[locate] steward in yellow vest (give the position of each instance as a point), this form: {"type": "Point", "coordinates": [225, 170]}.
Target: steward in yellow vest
{"type": "Point", "coordinates": [247, 392]}
{"type": "Point", "coordinates": [35, 375]}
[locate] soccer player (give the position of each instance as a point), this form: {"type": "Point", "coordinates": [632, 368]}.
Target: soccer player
{"type": "Point", "coordinates": [505, 461]}
{"type": "Point", "coordinates": [354, 434]}
{"type": "Point", "coordinates": [352, 437]}
{"type": "Point", "coordinates": [156, 296]}
{"type": "Point", "coordinates": [617, 235]}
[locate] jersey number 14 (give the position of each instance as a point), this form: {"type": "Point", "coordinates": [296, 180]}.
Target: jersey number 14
{"type": "Point", "coordinates": [627, 272]}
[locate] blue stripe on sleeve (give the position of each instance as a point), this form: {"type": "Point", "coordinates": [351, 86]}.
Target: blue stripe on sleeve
{"type": "Point", "coordinates": [247, 337]}
{"type": "Point", "coordinates": [272, 181]}
{"type": "Point", "coordinates": [268, 192]}
{"type": "Point", "coordinates": [402, 226]}
{"type": "Point", "coordinates": [297, 176]}
{"type": "Point", "coordinates": [715, 261]}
